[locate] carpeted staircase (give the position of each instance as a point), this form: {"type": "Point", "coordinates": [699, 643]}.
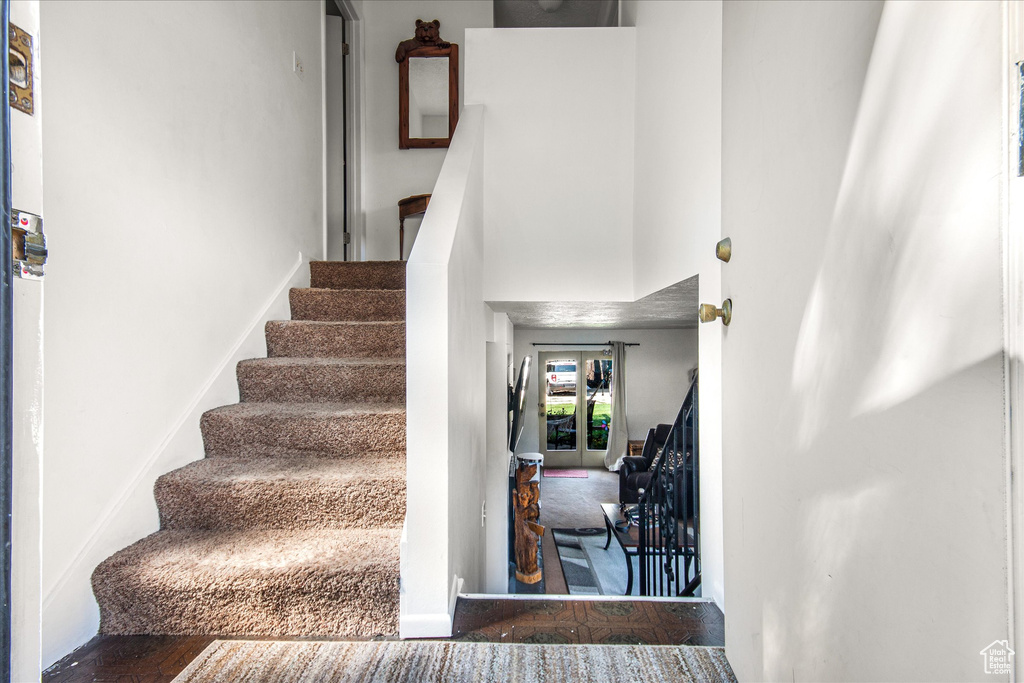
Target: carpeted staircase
{"type": "Point", "coordinates": [290, 526]}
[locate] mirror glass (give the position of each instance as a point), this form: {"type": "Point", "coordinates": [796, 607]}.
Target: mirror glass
{"type": "Point", "coordinates": [428, 97]}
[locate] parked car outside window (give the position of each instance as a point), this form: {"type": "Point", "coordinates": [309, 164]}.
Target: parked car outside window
{"type": "Point", "coordinates": [561, 376]}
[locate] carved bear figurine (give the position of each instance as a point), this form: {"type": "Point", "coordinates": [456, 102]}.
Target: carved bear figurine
{"type": "Point", "coordinates": [427, 34]}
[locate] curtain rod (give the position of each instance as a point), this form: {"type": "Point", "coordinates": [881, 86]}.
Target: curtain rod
{"type": "Point", "coordinates": [581, 344]}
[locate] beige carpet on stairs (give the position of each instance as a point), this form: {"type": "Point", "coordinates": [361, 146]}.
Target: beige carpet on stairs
{"type": "Point", "coordinates": [455, 662]}
{"type": "Point", "coordinates": [290, 525]}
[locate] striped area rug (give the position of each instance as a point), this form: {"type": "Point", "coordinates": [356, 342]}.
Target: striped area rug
{"type": "Point", "coordinates": [448, 661]}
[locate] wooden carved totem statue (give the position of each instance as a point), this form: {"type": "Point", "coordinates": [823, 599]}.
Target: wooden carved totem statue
{"type": "Point", "coordinates": [527, 531]}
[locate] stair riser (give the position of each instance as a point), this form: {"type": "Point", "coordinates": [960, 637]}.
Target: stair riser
{"type": "Point", "coordinates": [351, 304]}
{"type": "Point", "coordinates": [312, 340]}
{"type": "Point", "coordinates": [369, 503]}
{"type": "Point", "coordinates": [291, 603]}
{"type": "Point", "coordinates": [319, 384]}
{"type": "Point", "coordinates": [268, 436]}
{"type": "Point", "coordinates": [357, 275]}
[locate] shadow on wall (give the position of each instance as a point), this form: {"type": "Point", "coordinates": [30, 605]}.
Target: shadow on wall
{"type": "Point", "coordinates": [901, 331]}
{"type": "Point", "coordinates": [895, 500]}
{"type": "Point", "coordinates": [911, 268]}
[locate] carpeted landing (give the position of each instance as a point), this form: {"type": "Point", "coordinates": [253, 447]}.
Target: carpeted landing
{"type": "Point", "coordinates": [287, 662]}
{"type": "Point", "coordinates": [290, 526]}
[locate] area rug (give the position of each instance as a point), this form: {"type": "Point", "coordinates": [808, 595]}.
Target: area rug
{"type": "Point", "coordinates": [566, 474]}
{"type": "Point", "coordinates": [588, 567]}
{"type": "Point", "coordinates": [447, 661]}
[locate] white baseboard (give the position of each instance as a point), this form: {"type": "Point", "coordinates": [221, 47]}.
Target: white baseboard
{"type": "Point", "coordinates": [425, 626]}
{"type": "Point", "coordinates": [432, 625]}
{"type": "Point", "coordinates": [453, 595]}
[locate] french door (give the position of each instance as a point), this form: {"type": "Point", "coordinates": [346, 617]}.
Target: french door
{"type": "Point", "coordinates": [575, 407]}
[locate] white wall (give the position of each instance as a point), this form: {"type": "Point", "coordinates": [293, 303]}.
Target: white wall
{"type": "Point", "coordinates": [183, 162]}
{"type": "Point", "coordinates": [678, 185]}
{"type": "Point", "coordinates": [657, 373]}
{"type": "Point", "coordinates": [862, 372]}
{"type": "Point", "coordinates": [499, 363]}
{"type": "Point", "coordinates": [559, 165]}
{"type": "Point", "coordinates": [27, 195]}
{"type": "Point", "coordinates": [390, 174]}
{"type": "Point", "coordinates": [447, 329]}
{"type": "Point", "coordinates": [677, 204]}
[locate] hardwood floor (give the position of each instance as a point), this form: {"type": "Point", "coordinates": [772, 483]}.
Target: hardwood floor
{"type": "Point", "coordinates": [586, 622]}
{"type": "Point", "coordinates": [128, 659]}
{"type": "Point", "coordinates": [158, 659]}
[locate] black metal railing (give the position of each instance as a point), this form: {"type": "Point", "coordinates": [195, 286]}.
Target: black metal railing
{"type": "Point", "coordinates": [669, 510]}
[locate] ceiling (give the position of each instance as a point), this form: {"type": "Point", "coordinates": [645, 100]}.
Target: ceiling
{"type": "Point", "coordinates": [672, 307]}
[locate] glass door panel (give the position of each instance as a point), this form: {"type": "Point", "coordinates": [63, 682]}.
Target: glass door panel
{"type": "Point", "coordinates": [599, 401]}
{"type": "Point", "coordinates": [561, 384]}
{"type": "Point", "coordinates": [575, 407]}
{"type": "Point", "coordinates": [561, 388]}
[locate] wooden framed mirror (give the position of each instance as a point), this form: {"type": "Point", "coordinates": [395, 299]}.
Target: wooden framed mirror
{"type": "Point", "coordinates": [428, 88]}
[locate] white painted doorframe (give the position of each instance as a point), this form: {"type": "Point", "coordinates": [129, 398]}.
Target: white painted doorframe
{"type": "Point", "coordinates": [1013, 327]}
{"type": "Point", "coordinates": [354, 99]}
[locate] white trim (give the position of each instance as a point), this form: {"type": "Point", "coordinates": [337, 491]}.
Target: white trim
{"type": "Point", "coordinates": [323, 121]}
{"type": "Point", "coordinates": [453, 597]}
{"type": "Point", "coordinates": [425, 626]}
{"type": "Point", "coordinates": [1012, 219]}
{"type": "Point", "coordinates": [113, 511]}
{"type": "Point", "coordinates": [355, 97]}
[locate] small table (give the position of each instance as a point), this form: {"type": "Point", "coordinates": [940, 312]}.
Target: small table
{"type": "Point", "coordinates": [410, 206]}
{"type": "Point", "coordinates": [629, 540]}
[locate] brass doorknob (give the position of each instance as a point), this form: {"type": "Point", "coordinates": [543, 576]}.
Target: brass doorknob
{"type": "Point", "coordinates": [709, 313]}
{"type": "Point", "coordinates": [723, 250]}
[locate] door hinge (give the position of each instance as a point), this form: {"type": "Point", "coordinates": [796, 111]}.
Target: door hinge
{"type": "Point", "coordinates": [344, 49]}
{"type": "Point", "coordinates": [347, 239]}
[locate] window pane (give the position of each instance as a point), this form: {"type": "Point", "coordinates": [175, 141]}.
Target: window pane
{"type": "Point", "coordinates": [561, 383]}
{"type": "Point", "coordinates": [599, 403]}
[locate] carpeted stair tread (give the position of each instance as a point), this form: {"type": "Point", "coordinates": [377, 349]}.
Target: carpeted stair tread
{"type": "Point", "coordinates": [357, 274]}
{"type": "Point", "coordinates": [281, 429]}
{"type": "Point", "coordinates": [347, 304]}
{"type": "Point", "coordinates": [317, 339]}
{"type": "Point", "coordinates": [291, 525]}
{"type": "Point", "coordinates": [319, 380]}
{"type": "Point", "coordinates": [284, 493]}
{"type": "Point", "coordinates": [323, 582]}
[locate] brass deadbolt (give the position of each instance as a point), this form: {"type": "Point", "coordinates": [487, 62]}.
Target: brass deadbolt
{"type": "Point", "coordinates": [709, 313]}
{"type": "Point", "coordinates": [723, 250]}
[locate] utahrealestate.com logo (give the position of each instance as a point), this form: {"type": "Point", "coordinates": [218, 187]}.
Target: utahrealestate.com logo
{"type": "Point", "coordinates": [998, 658]}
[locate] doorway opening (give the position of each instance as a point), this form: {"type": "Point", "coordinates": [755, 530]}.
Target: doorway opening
{"type": "Point", "coordinates": [576, 391]}
{"type": "Point", "coordinates": [342, 41]}
{"type": "Point", "coordinates": [576, 385]}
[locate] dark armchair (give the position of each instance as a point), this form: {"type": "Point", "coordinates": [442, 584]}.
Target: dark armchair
{"type": "Point", "coordinates": [634, 474]}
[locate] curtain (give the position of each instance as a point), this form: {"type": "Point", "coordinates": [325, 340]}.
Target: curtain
{"type": "Point", "coordinates": [618, 439]}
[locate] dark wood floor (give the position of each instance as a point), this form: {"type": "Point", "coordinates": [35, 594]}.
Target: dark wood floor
{"type": "Point", "coordinates": [158, 659]}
